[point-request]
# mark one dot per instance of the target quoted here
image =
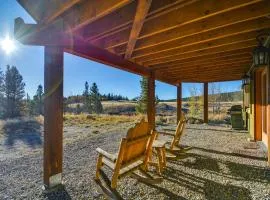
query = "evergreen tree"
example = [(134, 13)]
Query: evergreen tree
[(87, 99), (95, 99), (39, 100), (30, 106), (14, 92), (143, 99), (1, 94)]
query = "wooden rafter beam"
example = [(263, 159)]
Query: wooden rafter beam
[(141, 13), (84, 13), (209, 64), (203, 58), (208, 36), (123, 19), (209, 68), (213, 59), (215, 50), (249, 36), (190, 20)]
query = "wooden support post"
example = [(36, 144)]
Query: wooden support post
[(53, 116), (151, 109), (179, 101), (268, 115), (205, 113)]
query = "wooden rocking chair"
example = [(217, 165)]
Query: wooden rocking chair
[(133, 154), (173, 146)]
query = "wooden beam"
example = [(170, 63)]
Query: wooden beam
[(208, 71), (59, 11), (179, 101), (209, 63), (53, 116), (268, 115), (141, 13), (188, 23), (215, 50), (29, 34), (205, 104), (200, 46), (151, 110), (123, 19), (84, 13), (197, 38), (203, 58)]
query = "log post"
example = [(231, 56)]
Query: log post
[(151, 109), (53, 116), (268, 115), (205, 93), (179, 101)]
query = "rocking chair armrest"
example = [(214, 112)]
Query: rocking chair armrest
[(166, 133), (106, 154)]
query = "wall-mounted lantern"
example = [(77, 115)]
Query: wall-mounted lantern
[(261, 53), (245, 82)]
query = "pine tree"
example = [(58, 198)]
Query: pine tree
[(14, 92), (39, 100), (143, 99), (1, 94), (87, 99), (30, 106), (95, 99)]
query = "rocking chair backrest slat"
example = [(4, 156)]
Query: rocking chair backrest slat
[(179, 130), (137, 139)]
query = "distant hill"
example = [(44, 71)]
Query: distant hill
[(224, 97)]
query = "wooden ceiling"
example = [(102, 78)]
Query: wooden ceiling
[(181, 40)]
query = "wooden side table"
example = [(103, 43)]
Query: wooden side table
[(159, 147)]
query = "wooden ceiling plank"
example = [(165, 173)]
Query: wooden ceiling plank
[(215, 50), (182, 30), (141, 13)]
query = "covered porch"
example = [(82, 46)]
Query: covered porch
[(170, 41)]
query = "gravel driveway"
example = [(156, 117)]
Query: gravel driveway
[(221, 165)]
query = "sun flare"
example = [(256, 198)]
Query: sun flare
[(8, 45)]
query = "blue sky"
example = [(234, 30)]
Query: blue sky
[(29, 61)]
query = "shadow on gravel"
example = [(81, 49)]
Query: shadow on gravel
[(230, 154), (210, 189), (29, 132), (59, 193)]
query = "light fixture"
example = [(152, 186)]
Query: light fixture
[(261, 53), (245, 80)]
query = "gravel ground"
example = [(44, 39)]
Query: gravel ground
[(219, 166)]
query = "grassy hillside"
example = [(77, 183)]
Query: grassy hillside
[(225, 97)]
